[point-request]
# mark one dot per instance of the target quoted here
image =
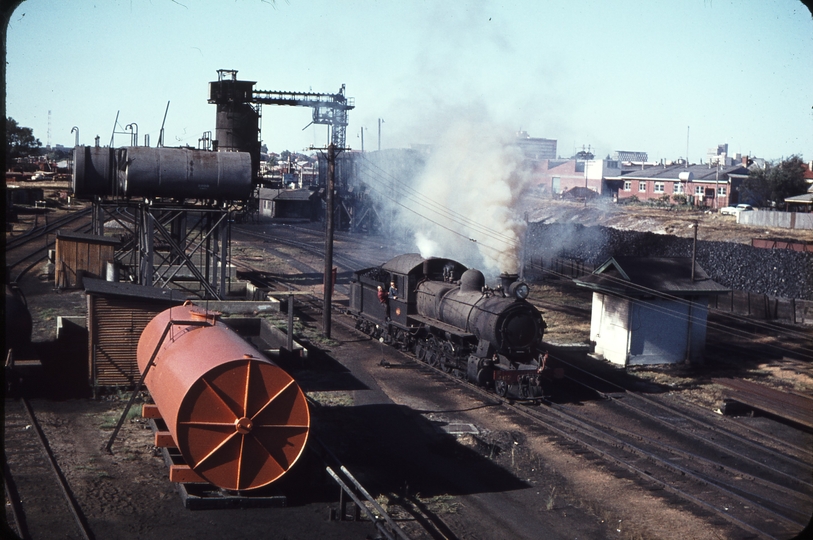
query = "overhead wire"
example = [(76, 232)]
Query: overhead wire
[(738, 318), (428, 203), (720, 327), (378, 176)]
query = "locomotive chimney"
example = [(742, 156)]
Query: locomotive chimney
[(507, 279), (425, 268)]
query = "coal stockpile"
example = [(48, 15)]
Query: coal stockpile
[(775, 272)]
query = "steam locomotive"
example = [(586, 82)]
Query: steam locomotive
[(446, 315)]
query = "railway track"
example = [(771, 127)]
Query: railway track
[(41, 500), (757, 475), (764, 494), (315, 247), (24, 248), (763, 491)]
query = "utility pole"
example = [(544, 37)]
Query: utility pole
[(687, 146), (380, 121), (331, 182), (694, 247)]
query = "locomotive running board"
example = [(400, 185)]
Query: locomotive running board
[(441, 326)]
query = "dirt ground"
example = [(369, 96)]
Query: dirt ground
[(127, 494)]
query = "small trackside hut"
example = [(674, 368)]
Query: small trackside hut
[(446, 315), (649, 310)]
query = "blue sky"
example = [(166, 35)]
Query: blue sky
[(616, 74)]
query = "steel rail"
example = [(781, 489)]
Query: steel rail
[(697, 458), (13, 498), (386, 517), (697, 422), (618, 443), (373, 518), (39, 232), (562, 432), (347, 262), (568, 420), (613, 441), (746, 427), (78, 516), (36, 253)]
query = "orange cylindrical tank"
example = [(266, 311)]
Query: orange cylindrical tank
[(239, 420)]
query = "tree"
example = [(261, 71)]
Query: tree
[(773, 184), (680, 198), (20, 141)]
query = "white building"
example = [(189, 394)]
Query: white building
[(649, 310)]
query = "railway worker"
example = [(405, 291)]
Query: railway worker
[(385, 301), (393, 291)]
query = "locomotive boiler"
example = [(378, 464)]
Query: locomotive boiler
[(239, 421), (449, 318)]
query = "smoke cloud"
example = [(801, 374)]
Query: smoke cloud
[(468, 196)]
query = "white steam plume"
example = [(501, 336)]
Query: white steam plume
[(475, 178)]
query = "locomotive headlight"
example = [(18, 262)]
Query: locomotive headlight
[(519, 290)]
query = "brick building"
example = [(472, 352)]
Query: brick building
[(553, 177), (707, 185)]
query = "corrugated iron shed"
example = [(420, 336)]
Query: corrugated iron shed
[(297, 203), (117, 314)]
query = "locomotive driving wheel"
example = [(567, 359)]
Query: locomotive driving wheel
[(501, 388), (420, 350), (433, 354), (447, 358)]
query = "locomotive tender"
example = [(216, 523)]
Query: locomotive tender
[(449, 318)]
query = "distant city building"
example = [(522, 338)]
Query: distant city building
[(631, 157), (719, 155), (536, 149)]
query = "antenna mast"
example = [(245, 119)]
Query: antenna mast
[(687, 146)]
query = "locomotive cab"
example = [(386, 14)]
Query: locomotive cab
[(406, 271)]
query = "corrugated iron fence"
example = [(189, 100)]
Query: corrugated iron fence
[(755, 305)]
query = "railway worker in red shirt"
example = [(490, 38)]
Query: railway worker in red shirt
[(385, 301)]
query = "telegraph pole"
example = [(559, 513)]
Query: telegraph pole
[(694, 246), (331, 182)]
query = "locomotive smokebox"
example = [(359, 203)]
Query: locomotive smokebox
[(239, 421), (507, 279)]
